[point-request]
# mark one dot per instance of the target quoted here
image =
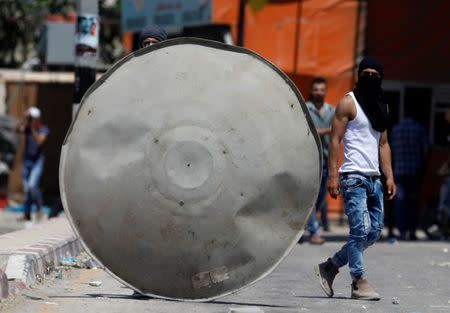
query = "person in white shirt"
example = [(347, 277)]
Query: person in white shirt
[(360, 122)]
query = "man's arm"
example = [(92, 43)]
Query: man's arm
[(324, 131), (386, 165), (39, 136), (345, 112)]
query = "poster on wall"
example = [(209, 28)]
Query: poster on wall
[(86, 38), (137, 14)]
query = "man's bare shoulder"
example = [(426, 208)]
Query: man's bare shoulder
[(346, 107)]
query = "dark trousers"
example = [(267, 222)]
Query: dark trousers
[(313, 224), (321, 203), (408, 188)]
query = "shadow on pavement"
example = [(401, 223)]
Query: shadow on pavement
[(252, 304), (328, 238), (109, 296), (143, 297), (324, 297)]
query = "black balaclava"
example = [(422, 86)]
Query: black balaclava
[(152, 31), (369, 94)]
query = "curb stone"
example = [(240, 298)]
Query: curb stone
[(39, 250)]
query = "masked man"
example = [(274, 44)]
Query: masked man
[(360, 122), (151, 35)]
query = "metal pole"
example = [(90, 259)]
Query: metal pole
[(86, 49), (298, 16), (241, 23)]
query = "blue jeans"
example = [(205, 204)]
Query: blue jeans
[(313, 224), (363, 204), (31, 175)]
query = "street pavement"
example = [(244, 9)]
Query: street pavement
[(9, 223), (414, 275)]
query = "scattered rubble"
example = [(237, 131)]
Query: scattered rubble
[(441, 264), (69, 261), (58, 275), (95, 283), (82, 261)]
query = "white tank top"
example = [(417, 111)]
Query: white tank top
[(361, 145)]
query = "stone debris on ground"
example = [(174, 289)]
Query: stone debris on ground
[(395, 300), (95, 283), (441, 264), (69, 261), (58, 275), (39, 278), (82, 261)]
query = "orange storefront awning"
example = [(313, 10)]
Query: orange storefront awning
[(305, 38)]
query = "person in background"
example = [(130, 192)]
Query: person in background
[(151, 35), (322, 114), (33, 161), (409, 143), (360, 122), (444, 195)]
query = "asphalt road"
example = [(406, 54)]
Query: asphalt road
[(418, 274)]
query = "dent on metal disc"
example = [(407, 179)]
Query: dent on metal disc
[(190, 169)]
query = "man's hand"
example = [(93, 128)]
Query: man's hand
[(333, 186), (391, 189), (386, 166), (324, 131), (34, 124)]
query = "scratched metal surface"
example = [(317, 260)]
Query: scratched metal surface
[(190, 169)]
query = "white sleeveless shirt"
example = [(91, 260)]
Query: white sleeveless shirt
[(361, 145)]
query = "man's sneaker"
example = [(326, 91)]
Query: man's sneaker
[(316, 240), (326, 272), (39, 215), (23, 219), (363, 291)]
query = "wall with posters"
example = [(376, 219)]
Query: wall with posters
[(137, 14)]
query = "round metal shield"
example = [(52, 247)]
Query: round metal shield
[(190, 169)]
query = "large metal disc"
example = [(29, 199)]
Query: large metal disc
[(190, 169)]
